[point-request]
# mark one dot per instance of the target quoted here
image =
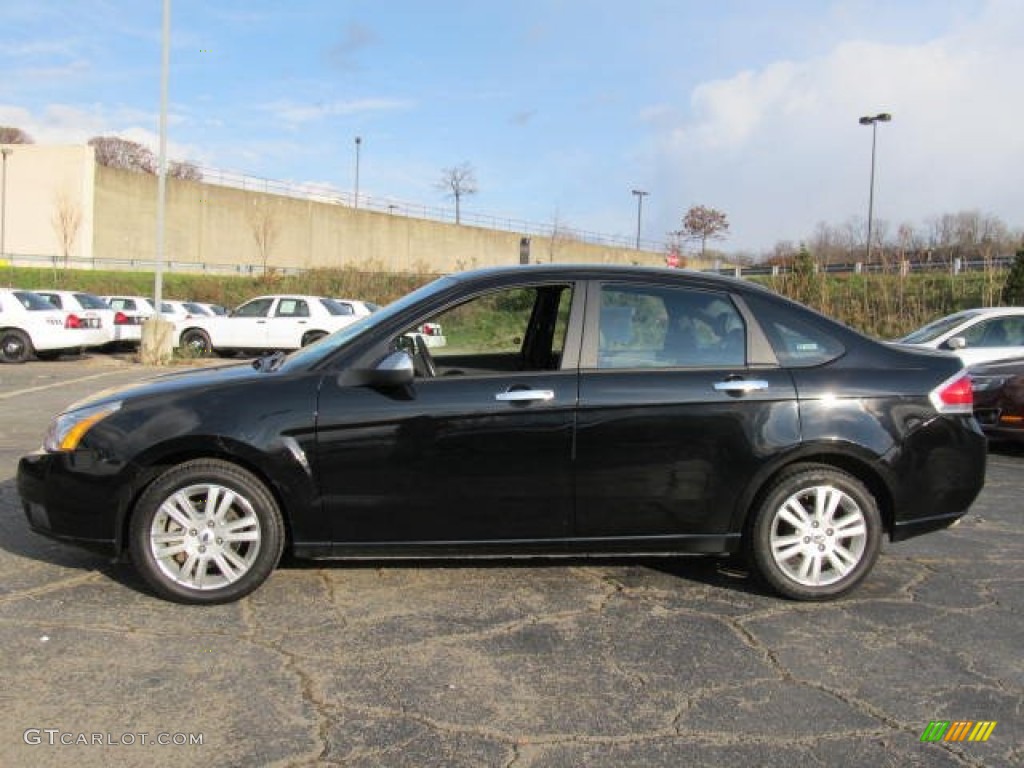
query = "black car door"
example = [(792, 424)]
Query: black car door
[(681, 402), (478, 449)]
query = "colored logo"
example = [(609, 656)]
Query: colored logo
[(958, 730)]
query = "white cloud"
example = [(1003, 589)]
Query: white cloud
[(73, 124), (779, 148), (297, 114)]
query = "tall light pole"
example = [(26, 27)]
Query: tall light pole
[(359, 141), (640, 195), (3, 203), (881, 117)]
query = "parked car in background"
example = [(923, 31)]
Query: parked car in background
[(575, 411), (358, 306), (179, 312), (213, 309), (130, 312), (975, 335), (281, 322), (86, 313), (999, 398), (31, 325)]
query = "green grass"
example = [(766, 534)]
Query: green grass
[(228, 291)]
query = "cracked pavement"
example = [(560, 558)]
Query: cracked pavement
[(587, 663)]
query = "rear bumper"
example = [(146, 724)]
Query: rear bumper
[(941, 472)]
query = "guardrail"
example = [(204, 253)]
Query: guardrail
[(957, 266)]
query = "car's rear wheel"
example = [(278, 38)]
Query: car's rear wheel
[(816, 533), (197, 342), (15, 346), (206, 531)]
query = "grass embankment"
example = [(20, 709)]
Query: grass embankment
[(228, 291), (882, 305)]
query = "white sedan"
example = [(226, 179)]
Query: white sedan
[(431, 333), (130, 312), (29, 324), (90, 315), (281, 322), (975, 335)]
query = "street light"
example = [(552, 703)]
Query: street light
[(3, 203), (640, 195), (882, 117), (359, 141)]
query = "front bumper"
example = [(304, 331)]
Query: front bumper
[(74, 498)]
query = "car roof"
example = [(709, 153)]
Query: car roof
[(608, 272)]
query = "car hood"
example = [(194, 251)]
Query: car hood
[(178, 381)]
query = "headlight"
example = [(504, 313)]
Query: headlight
[(68, 429)]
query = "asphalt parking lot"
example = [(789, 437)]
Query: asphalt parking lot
[(646, 663)]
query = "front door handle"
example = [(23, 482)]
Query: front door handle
[(525, 395), (740, 386)]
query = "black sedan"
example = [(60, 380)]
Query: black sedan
[(573, 411), (999, 398)]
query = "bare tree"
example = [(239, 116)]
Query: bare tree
[(11, 135), (456, 183), (67, 219), (115, 152), (264, 227), (702, 224), (184, 170)]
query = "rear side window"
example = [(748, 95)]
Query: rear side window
[(32, 301), (659, 327), (798, 341)]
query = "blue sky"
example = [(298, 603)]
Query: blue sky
[(561, 106)]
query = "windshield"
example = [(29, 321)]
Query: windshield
[(314, 353), (936, 329)]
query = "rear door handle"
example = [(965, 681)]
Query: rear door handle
[(525, 395), (741, 386)]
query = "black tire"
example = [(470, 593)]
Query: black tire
[(197, 341), (816, 533), (191, 555), (15, 346), (312, 336)]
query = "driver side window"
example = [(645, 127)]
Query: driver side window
[(516, 329)]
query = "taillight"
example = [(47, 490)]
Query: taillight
[(954, 395), (72, 321), (121, 319)]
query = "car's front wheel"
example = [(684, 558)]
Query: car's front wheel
[(816, 533), (15, 346), (206, 531), (197, 342)]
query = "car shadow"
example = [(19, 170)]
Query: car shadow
[(1006, 447), (726, 573)]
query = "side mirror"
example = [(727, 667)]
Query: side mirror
[(955, 342), (395, 370)]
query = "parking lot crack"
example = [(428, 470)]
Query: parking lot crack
[(311, 695), (53, 586)]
